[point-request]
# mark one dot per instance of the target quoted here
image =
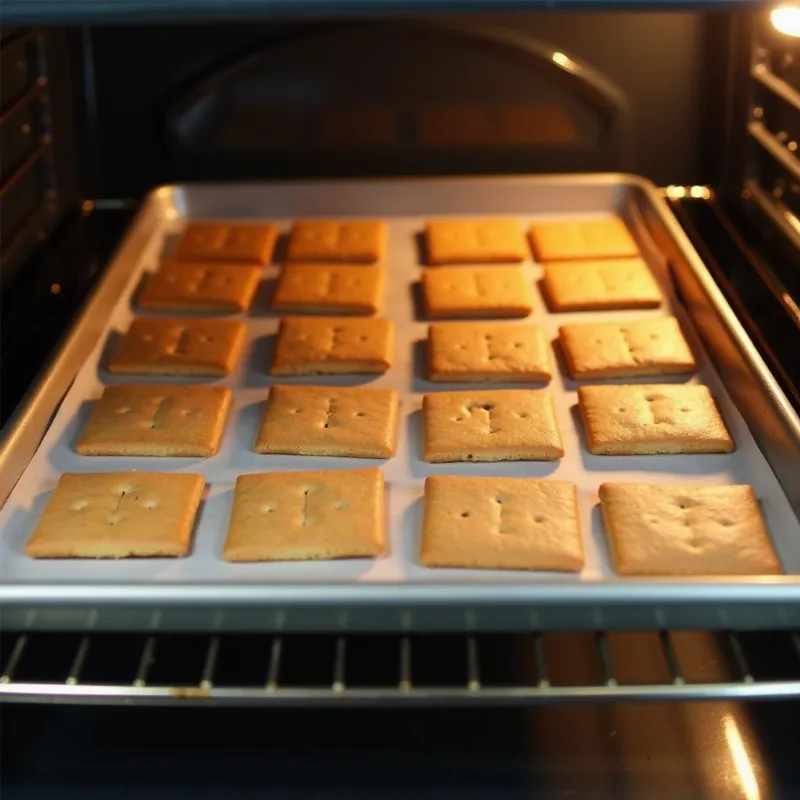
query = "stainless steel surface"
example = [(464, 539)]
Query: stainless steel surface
[(350, 607), (468, 670)]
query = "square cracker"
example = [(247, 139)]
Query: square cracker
[(357, 241), (333, 346), (504, 425), (652, 418), (626, 349), (154, 346), (579, 239), (300, 516), (329, 289), (686, 530), (473, 241), (474, 292), (117, 515), (157, 421), (180, 285), (501, 523), (486, 351), (329, 421), (610, 284), (251, 243)]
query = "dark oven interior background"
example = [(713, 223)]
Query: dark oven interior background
[(511, 93)]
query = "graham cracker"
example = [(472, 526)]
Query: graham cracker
[(329, 421), (155, 346), (581, 239), (686, 530), (329, 289), (595, 285), (300, 516), (245, 243), (627, 349), (179, 286), (491, 425), (157, 421), (486, 351), (501, 523), (652, 418), (469, 292), (356, 241), (333, 345), (474, 241), (118, 515)]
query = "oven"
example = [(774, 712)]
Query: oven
[(122, 120)]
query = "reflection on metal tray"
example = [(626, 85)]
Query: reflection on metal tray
[(394, 593)]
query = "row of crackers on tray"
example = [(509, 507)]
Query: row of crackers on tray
[(469, 522), (464, 352), (457, 292), (446, 241), (361, 422), (588, 264)]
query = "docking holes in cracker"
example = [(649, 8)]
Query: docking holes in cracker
[(329, 421), (501, 523), (291, 516), (333, 345), (118, 515), (502, 425), (651, 419)]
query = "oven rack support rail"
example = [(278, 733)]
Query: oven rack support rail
[(308, 669)]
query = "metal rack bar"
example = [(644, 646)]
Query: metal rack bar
[(207, 681), (404, 685), (339, 665), (145, 662), (479, 688), (473, 665), (672, 660), (16, 656), (273, 673), (739, 657), (539, 661), (78, 661)]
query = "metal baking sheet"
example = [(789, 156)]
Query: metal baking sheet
[(394, 592)]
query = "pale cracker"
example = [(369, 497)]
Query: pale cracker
[(245, 243), (117, 515), (470, 292), (356, 241), (155, 346), (157, 421), (686, 530), (329, 289), (501, 523), (183, 285), (652, 418), (291, 516), (581, 239), (333, 345), (486, 351), (627, 349), (487, 425), (609, 284), (329, 421), (474, 241)]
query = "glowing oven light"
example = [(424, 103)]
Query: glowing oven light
[(786, 19)]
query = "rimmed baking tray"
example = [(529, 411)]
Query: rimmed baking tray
[(395, 593)]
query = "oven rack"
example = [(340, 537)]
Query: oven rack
[(309, 669)]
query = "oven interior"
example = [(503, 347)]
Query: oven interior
[(705, 104)]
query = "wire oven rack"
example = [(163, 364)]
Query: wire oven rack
[(307, 669)]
